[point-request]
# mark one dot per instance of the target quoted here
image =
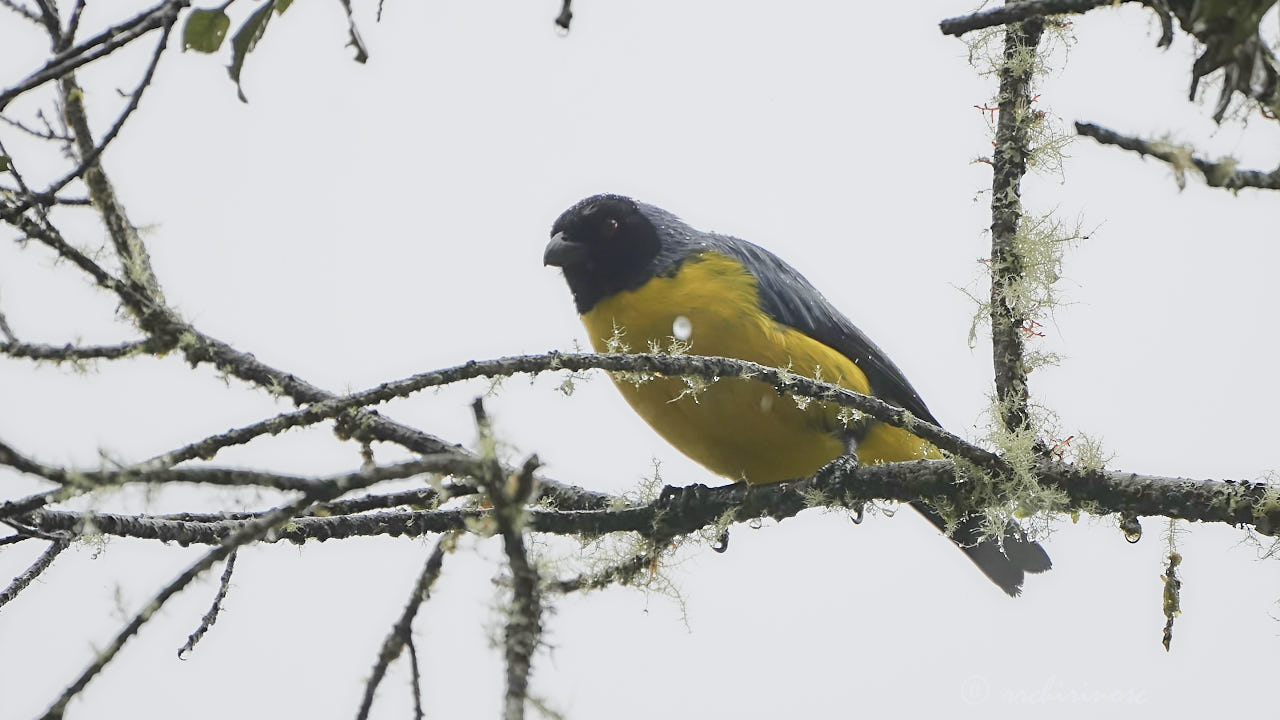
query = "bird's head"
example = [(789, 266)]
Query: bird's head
[(604, 244)]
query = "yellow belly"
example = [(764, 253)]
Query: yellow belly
[(741, 429)]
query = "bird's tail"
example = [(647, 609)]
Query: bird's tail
[(1006, 567)]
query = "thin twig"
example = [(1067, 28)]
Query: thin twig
[(22, 10), (59, 353), (402, 632), (73, 25), (215, 609), (415, 676), (41, 564), (619, 573), (89, 151), (353, 33), (42, 134), (7, 331), (249, 532), (1223, 173), (100, 45), (75, 482)]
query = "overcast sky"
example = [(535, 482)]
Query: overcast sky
[(355, 224)]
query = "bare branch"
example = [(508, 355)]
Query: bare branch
[(49, 19), (42, 134), (402, 632), (73, 25), (6, 331), (74, 102), (415, 675), (60, 353), (22, 10), (566, 15), (211, 616), (99, 45), (1223, 173), (39, 566), (1017, 12), (353, 33)]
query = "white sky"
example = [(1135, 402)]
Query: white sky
[(355, 224)]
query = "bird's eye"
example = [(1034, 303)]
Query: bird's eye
[(610, 228)]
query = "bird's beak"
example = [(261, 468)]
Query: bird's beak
[(561, 252)]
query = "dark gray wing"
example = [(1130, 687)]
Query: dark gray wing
[(793, 301)]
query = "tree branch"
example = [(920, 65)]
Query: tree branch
[(524, 616), (402, 632), (712, 368), (39, 566), (100, 45), (87, 169), (211, 617), (1223, 173), (22, 10), (69, 352), (1017, 12), (246, 533), (1009, 163), (682, 510), (76, 482)]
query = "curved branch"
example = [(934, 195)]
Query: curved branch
[(711, 368), (1221, 174)]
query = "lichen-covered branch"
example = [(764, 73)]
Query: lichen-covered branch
[(711, 368), (69, 352), (509, 495), (1009, 163), (74, 482), (678, 511), (1223, 173)]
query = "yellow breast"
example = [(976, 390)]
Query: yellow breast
[(741, 429)]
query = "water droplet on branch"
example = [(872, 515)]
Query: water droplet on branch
[(682, 328)]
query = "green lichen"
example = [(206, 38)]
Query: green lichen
[(1087, 453)]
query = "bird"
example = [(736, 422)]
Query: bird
[(642, 278)]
